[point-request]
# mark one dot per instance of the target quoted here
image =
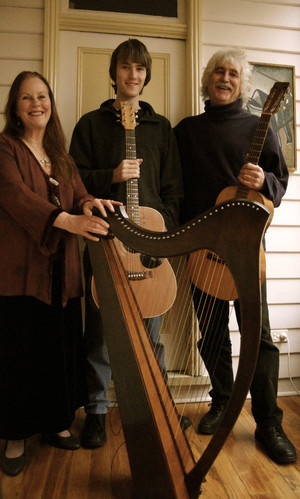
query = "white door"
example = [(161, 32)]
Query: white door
[(83, 83), (83, 80)]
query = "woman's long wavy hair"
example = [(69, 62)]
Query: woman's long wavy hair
[(54, 141), (237, 58)]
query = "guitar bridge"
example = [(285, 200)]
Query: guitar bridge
[(138, 276)]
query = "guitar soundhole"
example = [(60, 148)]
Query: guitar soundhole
[(150, 262)]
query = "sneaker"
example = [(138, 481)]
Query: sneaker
[(93, 433), (210, 422), (276, 443)]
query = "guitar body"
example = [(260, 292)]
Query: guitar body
[(209, 273), (148, 276), (159, 281), (207, 270), (240, 192)]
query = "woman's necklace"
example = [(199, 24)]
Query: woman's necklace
[(44, 161)]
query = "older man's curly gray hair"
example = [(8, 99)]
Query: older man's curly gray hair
[(237, 58)]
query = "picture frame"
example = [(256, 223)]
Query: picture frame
[(283, 122)]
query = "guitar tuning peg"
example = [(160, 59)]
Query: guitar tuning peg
[(283, 108)]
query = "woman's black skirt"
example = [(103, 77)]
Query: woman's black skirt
[(42, 375)]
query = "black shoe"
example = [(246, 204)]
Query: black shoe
[(210, 422), (185, 422), (93, 433), (278, 446), (67, 443), (12, 466)]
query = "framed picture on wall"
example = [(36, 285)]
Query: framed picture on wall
[(283, 122)]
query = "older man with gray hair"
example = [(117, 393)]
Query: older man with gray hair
[(213, 148)]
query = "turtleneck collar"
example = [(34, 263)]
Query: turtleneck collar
[(223, 111)]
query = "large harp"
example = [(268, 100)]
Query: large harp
[(160, 457)]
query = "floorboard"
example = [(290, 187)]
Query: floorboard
[(241, 470)]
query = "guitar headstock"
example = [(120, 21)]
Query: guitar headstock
[(128, 116), (275, 97)]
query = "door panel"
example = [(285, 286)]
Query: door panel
[(83, 82)]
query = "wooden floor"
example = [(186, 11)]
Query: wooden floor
[(240, 471)]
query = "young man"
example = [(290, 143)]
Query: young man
[(98, 147), (213, 148)]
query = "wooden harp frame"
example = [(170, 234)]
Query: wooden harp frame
[(161, 461)]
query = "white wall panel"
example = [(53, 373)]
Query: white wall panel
[(283, 239), (23, 3), (283, 291), (3, 97), (293, 189), (284, 316), (283, 265), (21, 42), (250, 36), (21, 46), (25, 20), (10, 69), (288, 211), (288, 364), (281, 317), (236, 11)]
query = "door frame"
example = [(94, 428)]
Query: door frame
[(188, 27)]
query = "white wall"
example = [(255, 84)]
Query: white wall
[(269, 32), (21, 41)]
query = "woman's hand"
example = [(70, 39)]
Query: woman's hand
[(86, 225), (252, 176), (100, 204)]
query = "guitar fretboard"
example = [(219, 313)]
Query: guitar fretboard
[(132, 188), (259, 138)]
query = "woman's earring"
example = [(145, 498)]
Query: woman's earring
[(18, 121)]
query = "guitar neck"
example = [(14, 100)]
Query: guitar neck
[(259, 138), (132, 188)]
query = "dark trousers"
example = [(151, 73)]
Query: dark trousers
[(215, 350)]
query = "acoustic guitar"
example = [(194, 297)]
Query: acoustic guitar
[(148, 276), (207, 270)]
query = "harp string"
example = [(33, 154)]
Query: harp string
[(166, 404), (184, 380), (216, 227), (186, 318)]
